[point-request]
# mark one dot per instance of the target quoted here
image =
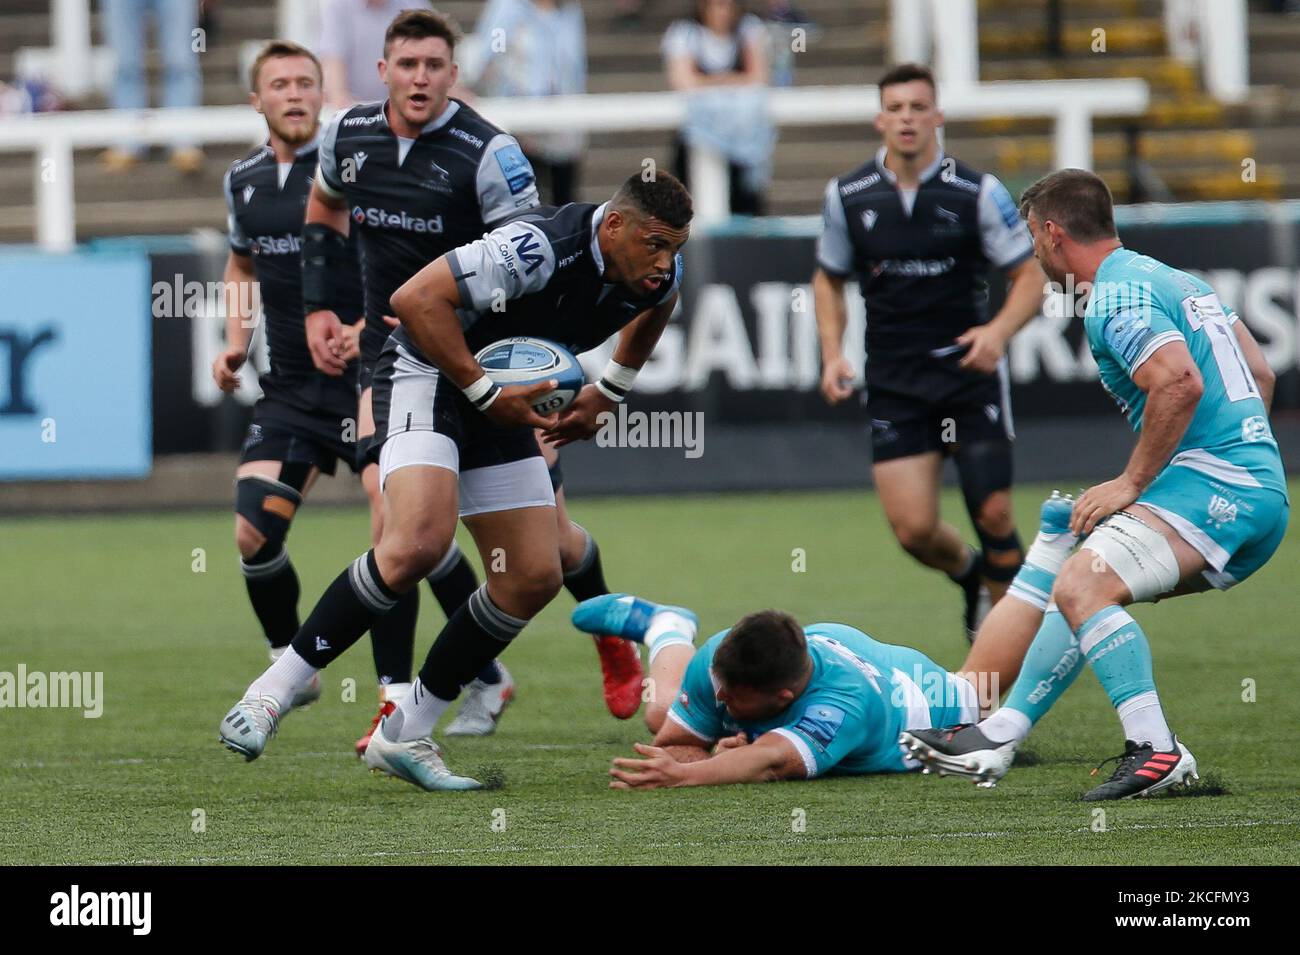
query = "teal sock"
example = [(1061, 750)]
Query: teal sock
[(1050, 666), (1120, 655)]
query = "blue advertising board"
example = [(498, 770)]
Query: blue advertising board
[(74, 365)]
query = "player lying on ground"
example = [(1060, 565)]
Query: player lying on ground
[(769, 700), (1202, 502), (451, 442)]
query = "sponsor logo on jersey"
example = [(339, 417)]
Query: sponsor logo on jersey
[(287, 244), (820, 723), (961, 183), (1221, 510), (250, 161), (686, 699), (401, 219), (363, 120), (467, 137), (915, 268), (248, 193), (857, 185), (529, 251), (992, 411), (518, 173), (869, 219), (570, 259)]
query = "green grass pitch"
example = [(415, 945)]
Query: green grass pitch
[(121, 595)]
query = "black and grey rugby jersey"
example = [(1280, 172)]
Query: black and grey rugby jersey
[(412, 200)]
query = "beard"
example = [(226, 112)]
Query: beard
[(294, 135)]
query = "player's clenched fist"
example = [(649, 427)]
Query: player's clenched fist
[(837, 380), (225, 367), (326, 342)]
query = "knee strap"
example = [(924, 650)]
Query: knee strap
[(1001, 557), (269, 505), (982, 468)]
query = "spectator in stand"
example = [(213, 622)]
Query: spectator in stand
[(176, 25), (351, 46), (782, 18), (536, 48), (720, 59)]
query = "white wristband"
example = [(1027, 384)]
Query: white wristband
[(616, 381), (482, 393)]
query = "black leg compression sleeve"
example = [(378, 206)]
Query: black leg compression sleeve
[(392, 639), (475, 635), (345, 611), (587, 580), (983, 468), (1002, 556)]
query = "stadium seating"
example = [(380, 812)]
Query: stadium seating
[(1194, 144)]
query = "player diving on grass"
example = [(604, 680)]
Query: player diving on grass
[(1202, 502), (450, 442), (769, 700)]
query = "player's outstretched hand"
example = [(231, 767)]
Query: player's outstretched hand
[(514, 406), (224, 368), (325, 342), (1100, 502), (580, 420), (837, 380), (985, 347), (657, 771)]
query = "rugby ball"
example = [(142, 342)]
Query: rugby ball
[(526, 361)]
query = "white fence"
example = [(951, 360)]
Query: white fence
[(1072, 104)]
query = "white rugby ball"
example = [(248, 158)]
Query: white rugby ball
[(526, 361)]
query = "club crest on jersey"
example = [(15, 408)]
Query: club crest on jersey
[(248, 193), (440, 180), (946, 214), (869, 219)]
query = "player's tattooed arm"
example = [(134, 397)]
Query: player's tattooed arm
[(770, 758), (426, 306), (331, 346), (239, 321)]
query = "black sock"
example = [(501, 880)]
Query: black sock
[(392, 639), (346, 610), (452, 582), (475, 635), (273, 591), (587, 580), (970, 577)]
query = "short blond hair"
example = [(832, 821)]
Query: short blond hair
[(275, 50)]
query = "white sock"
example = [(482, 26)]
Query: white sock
[(415, 716), (284, 678), (1144, 721), (393, 692), (1006, 725), (669, 628)]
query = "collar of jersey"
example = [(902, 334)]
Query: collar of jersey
[(927, 173), (433, 125), (597, 259), (1108, 262)]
